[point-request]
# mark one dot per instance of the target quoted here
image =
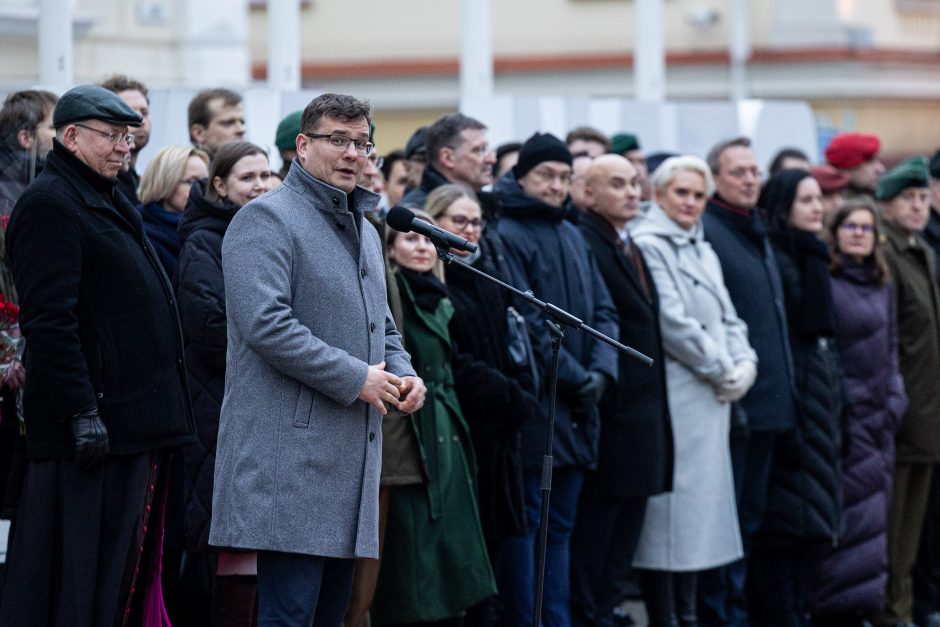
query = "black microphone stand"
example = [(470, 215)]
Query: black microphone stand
[(557, 318)]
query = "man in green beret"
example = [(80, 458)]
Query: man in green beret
[(285, 139), (105, 396), (905, 198), (628, 145)]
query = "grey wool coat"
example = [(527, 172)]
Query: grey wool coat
[(695, 526), (298, 460)]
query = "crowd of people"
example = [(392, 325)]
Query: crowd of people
[(234, 396)]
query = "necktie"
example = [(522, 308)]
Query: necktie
[(632, 253)]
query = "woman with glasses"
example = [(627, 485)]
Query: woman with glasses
[(849, 581), (164, 192), (484, 360), (804, 499), (238, 174), (709, 366), (434, 562)]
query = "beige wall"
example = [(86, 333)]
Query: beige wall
[(429, 29), (905, 127)]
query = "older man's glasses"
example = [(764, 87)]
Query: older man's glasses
[(112, 137), (341, 142)]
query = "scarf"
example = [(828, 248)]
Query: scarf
[(815, 316), (427, 288)]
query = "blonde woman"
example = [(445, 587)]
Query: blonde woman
[(164, 192), (709, 365)]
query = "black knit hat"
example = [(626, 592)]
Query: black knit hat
[(539, 148)]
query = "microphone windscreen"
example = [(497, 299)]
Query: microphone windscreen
[(400, 219)]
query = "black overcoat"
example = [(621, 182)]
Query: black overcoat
[(753, 281), (98, 314), (636, 450), (201, 294)]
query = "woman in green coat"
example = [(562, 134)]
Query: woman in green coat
[(435, 564)]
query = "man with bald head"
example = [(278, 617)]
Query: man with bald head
[(635, 456)]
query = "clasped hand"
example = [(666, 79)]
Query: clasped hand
[(734, 386), (404, 393)]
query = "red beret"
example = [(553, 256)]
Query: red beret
[(848, 150), (831, 180)]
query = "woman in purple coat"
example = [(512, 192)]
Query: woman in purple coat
[(849, 580)]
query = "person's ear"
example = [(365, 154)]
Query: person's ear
[(445, 156), (219, 186), (197, 133), (70, 137), (26, 139)]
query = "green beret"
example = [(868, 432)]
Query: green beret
[(287, 131), (910, 173), (92, 102), (623, 142)]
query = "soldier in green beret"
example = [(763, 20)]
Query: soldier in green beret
[(905, 199)]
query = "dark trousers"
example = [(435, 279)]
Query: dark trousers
[(669, 597), (517, 563), (927, 570), (302, 590), (777, 585), (722, 599), (602, 547)]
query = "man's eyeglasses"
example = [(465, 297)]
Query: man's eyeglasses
[(341, 143), (740, 173), (112, 137), (855, 228), (545, 175), (377, 160), (462, 222)]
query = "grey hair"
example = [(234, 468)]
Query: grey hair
[(715, 153), (666, 173)]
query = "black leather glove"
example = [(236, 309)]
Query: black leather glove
[(91, 439), (592, 390)]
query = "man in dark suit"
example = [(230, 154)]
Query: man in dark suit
[(736, 232), (635, 457)]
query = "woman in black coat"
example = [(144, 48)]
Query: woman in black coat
[(495, 393), (238, 173), (804, 503)]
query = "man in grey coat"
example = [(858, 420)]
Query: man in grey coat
[(313, 359)]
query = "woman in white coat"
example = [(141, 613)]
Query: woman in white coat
[(709, 365)]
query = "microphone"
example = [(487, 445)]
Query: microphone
[(403, 220)]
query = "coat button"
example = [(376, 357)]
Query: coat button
[(362, 273), (372, 327), (335, 201), (372, 437)]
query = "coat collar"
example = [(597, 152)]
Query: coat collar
[(327, 198), (96, 192), (901, 240), (596, 223), (437, 321)]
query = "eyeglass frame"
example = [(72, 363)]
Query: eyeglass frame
[(110, 136), (369, 146), (546, 176), (476, 223), (854, 227)]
